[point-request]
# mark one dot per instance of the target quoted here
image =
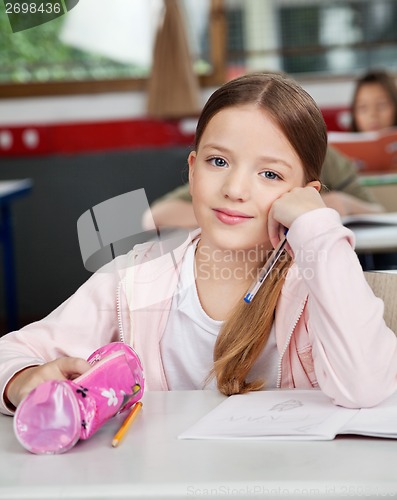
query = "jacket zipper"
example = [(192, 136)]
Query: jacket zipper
[(278, 385), (119, 318)]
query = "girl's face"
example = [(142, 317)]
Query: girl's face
[(242, 165), (374, 109)]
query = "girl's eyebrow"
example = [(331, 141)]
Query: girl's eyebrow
[(278, 161), (217, 147), (267, 159)]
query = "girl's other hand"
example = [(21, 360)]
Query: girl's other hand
[(290, 206), (26, 380)]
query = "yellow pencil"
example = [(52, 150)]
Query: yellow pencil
[(126, 424)]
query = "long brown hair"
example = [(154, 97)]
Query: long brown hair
[(245, 332), (388, 84)]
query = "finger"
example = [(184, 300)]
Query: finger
[(289, 250), (273, 228), (282, 232), (71, 368)]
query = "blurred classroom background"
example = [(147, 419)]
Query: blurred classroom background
[(103, 101)]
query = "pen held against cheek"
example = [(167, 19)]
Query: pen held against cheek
[(269, 264)]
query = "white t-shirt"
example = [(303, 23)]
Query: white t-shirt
[(188, 341)]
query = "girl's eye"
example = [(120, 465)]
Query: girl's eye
[(382, 106), (268, 174), (361, 109), (218, 162)]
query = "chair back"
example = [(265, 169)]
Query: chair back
[(384, 286)]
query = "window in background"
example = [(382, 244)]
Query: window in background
[(80, 45), (311, 36), (105, 45), (102, 45)]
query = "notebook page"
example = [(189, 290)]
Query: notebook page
[(379, 421), (282, 415)]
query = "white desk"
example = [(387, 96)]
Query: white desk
[(374, 238), (151, 463)]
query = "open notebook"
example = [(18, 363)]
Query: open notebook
[(372, 151), (292, 415)]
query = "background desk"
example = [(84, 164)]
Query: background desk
[(372, 239), (151, 463), (9, 191), (375, 239)]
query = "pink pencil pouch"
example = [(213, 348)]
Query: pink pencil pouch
[(57, 413)]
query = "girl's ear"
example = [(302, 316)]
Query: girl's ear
[(315, 184), (192, 162)]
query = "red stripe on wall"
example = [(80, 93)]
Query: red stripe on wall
[(80, 137), (94, 136)]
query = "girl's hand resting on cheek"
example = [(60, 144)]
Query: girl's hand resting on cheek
[(26, 380), (290, 206)]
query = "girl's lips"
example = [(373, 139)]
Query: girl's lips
[(231, 217)]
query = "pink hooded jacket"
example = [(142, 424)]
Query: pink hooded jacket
[(329, 326)]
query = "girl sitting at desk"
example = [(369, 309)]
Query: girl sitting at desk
[(374, 108), (314, 323)]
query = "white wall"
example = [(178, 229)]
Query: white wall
[(127, 105)]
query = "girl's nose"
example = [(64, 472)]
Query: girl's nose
[(373, 111), (235, 186)]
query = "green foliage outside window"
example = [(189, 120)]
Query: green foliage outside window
[(37, 55)]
